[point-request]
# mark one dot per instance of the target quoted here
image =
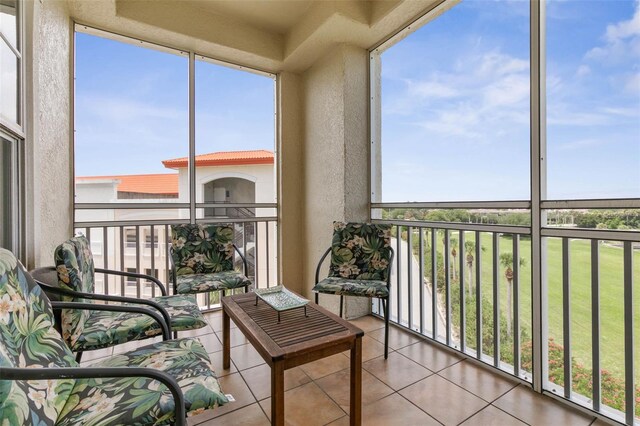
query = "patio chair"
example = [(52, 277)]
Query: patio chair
[(361, 259), (41, 382), (202, 259), (86, 330)]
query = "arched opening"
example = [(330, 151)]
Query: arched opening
[(229, 190)]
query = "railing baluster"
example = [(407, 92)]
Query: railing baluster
[(421, 271), (409, 276), (595, 324), (167, 271), (566, 315), (478, 295), (434, 283), (105, 258), (629, 378), (463, 311), (447, 287), (496, 301), (153, 259), (266, 244), (398, 272), (256, 232), (516, 304), (138, 249), (122, 293)]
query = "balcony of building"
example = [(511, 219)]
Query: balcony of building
[(506, 310)]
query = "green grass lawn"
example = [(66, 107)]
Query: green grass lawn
[(611, 296)]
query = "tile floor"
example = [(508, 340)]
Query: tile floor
[(419, 384)]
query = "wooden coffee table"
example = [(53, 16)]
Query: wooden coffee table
[(294, 341)]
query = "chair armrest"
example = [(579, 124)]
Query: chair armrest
[(393, 253), (8, 373), (166, 327), (320, 264), (154, 280), (106, 298), (244, 261)]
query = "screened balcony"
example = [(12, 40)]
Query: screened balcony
[(506, 160)]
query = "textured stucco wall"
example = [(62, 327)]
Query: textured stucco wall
[(49, 129), (335, 156), (291, 182)]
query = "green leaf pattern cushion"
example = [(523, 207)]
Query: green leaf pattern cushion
[(74, 263), (103, 329), (202, 248), (142, 401), (198, 283), (351, 287), (28, 339), (360, 251)]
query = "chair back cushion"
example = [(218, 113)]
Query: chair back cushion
[(202, 248), (361, 251), (28, 340), (74, 263)]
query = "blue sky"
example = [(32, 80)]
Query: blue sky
[(455, 105), (132, 108)]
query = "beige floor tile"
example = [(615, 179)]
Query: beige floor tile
[(397, 338), (391, 410), (195, 333), (236, 337), (216, 361), (306, 405), (90, 357), (491, 416), (326, 366), (251, 415), (477, 380), (259, 380), (337, 386), (430, 356), (210, 342), (397, 371), (245, 356), (232, 384), (215, 320), (367, 323), (537, 409), (442, 400), (371, 348)]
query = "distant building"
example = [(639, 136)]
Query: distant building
[(222, 177)]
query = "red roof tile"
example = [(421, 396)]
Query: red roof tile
[(228, 158), (164, 184)]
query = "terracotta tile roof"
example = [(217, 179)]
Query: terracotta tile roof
[(228, 158), (161, 183)]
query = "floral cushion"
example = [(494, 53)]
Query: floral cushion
[(28, 339), (103, 329), (202, 248), (361, 251), (351, 287), (74, 263), (198, 283), (142, 401)]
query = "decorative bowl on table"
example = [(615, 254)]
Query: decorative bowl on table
[(281, 299)]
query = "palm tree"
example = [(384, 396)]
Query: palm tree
[(506, 260), (470, 249), (453, 242)]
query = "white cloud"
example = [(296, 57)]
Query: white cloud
[(583, 70), (579, 144), (632, 85), (622, 41)]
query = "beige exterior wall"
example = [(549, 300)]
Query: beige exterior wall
[(48, 77), (336, 155)]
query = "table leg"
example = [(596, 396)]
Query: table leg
[(226, 340), (355, 400), (277, 393)]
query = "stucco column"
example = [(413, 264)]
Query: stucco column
[(336, 157), (290, 171)]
